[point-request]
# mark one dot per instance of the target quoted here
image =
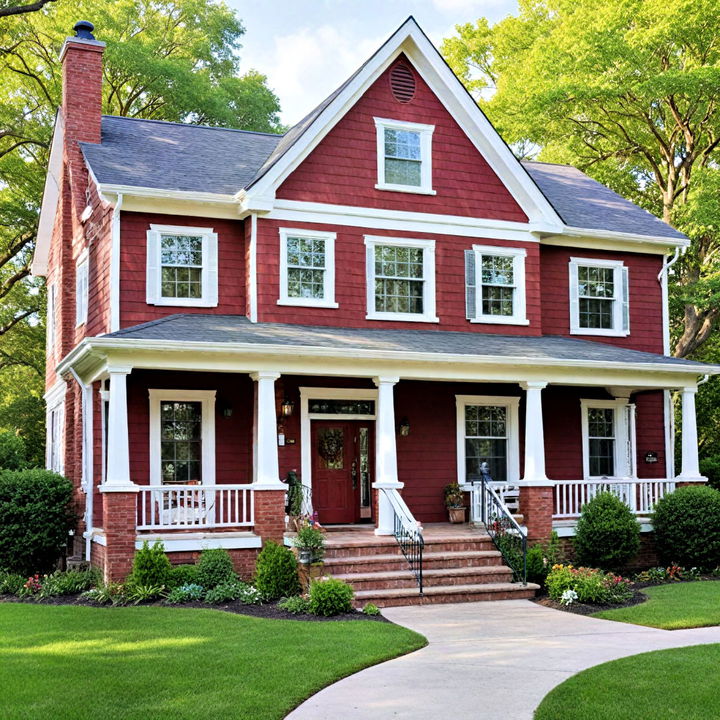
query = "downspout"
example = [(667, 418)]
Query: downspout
[(115, 266), (87, 460), (252, 261)]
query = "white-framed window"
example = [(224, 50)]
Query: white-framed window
[(495, 285), (599, 297), (307, 268), (608, 430), (488, 432), (81, 289), (50, 318), (400, 279), (182, 437), (404, 156), (182, 266), (55, 428)]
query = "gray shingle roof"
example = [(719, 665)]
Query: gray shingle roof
[(583, 202), (192, 328), (174, 156)]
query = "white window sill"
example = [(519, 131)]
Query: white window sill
[(307, 302), (499, 320), (402, 317), (405, 189), (599, 332), (183, 302)]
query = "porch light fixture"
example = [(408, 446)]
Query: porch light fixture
[(226, 409), (286, 408), (404, 427)]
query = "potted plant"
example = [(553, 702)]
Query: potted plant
[(455, 503), (310, 543)]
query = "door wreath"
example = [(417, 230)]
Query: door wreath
[(330, 446)]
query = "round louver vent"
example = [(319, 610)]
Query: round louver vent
[(402, 83)]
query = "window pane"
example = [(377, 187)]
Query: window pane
[(306, 268), (181, 445), (497, 270), (493, 452), (596, 313), (399, 280), (602, 457), (403, 172), (600, 422), (485, 421), (403, 144), (601, 443), (497, 300), (181, 271), (596, 282)]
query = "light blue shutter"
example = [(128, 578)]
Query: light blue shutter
[(210, 271), (470, 285), (152, 273), (574, 299), (625, 299)]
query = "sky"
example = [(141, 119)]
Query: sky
[(307, 48)]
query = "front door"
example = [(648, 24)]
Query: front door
[(341, 470)]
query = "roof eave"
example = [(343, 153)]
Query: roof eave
[(568, 231)]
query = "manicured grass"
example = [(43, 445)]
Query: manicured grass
[(683, 683), (77, 663), (672, 607)]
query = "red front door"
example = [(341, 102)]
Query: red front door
[(340, 472)]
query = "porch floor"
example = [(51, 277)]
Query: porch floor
[(348, 535)]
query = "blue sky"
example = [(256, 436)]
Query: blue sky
[(309, 47)]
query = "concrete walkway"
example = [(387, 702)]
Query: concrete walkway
[(485, 661)]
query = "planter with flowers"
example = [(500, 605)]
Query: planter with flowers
[(309, 544), (455, 503)]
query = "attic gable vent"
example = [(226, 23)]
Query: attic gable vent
[(402, 83)]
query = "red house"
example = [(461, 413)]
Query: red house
[(382, 299)]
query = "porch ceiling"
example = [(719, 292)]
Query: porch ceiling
[(231, 343)]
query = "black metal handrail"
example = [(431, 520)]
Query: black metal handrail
[(507, 535), (409, 536)]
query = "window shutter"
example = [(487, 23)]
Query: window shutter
[(470, 286), (152, 280), (210, 271), (574, 300), (625, 299), (50, 321)]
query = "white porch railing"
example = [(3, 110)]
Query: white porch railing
[(185, 507), (507, 493), (639, 495)]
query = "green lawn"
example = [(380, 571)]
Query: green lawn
[(683, 683), (672, 607), (149, 663)]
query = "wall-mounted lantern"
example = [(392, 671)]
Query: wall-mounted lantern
[(404, 427), (286, 408)]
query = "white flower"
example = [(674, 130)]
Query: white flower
[(568, 597)]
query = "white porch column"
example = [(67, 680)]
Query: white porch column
[(690, 469), (117, 475), (534, 435), (266, 467), (386, 474)]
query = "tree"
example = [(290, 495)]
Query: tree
[(172, 60), (8, 8), (628, 91)]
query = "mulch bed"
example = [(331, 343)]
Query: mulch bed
[(587, 609), (269, 610)]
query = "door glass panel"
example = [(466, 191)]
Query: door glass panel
[(363, 451), (486, 441), (331, 445), (180, 442)]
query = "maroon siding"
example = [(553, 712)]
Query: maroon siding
[(650, 433), (133, 249), (342, 169)]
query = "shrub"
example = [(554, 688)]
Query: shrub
[(192, 592), (276, 572), (215, 567), (710, 468), (69, 583), (536, 570), (36, 519), (182, 575), (297, 605), (566, 584), (13, 451), (687, 527), (607, 533), (11, 583), (151, 567), (330, 596), (371, 609), (234, 590)]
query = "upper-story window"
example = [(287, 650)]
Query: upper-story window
[(400, 279), (404, 156), (182, 266), (307, 268), (81, 290), (495, 285), (599, 297)]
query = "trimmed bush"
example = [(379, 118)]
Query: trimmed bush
[(330, 596), (13, 451), (607, 534), (36, 520), (277, 572), (215, 567), (687, 527), (183, 575), (710, 468), (536, 570), (151, 567)]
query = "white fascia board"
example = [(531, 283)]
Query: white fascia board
[(150, 192), (607, 239), (51, 195)]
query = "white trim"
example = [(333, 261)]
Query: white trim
[(51, 319), (151, 192), (328, 299), (321, 393), (568, 528), (55, 428), (115, 241), (428, 248), (195, 542), (512, 404), (209, 270), (519, 316), (207, 400), (621, 325), (578, 236), (252, 271), (425, 132), (624, 437), (82, 282)]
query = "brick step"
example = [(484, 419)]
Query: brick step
[(446, 594), (372, 546), (397, 561), (431, 578)]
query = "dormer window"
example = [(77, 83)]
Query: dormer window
[(404, 156)]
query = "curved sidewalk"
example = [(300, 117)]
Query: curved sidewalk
[(486, 661)]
